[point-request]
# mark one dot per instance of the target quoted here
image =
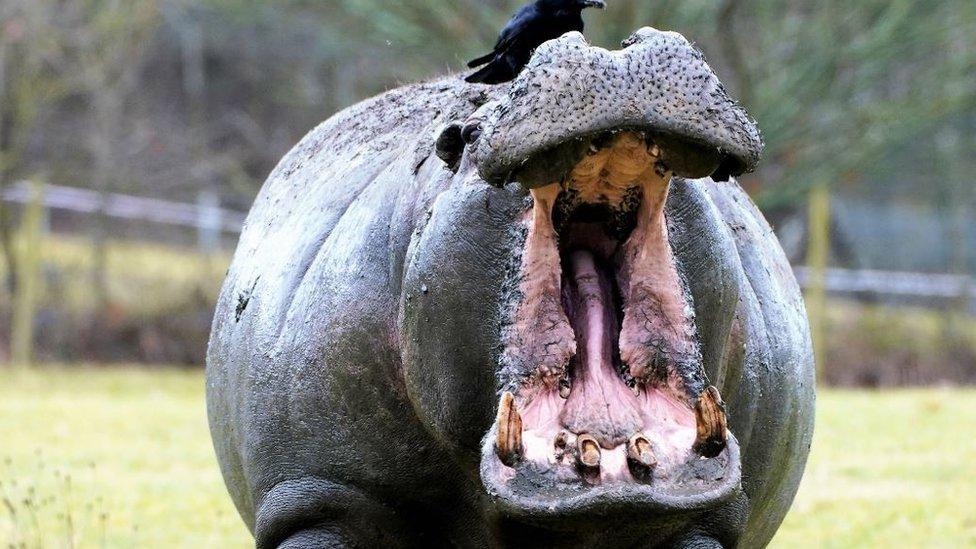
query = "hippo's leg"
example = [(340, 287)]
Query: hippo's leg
[(325, 537), (695, 541), (313, 513)]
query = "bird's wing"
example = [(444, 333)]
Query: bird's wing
[(509, 35), (523, 23)]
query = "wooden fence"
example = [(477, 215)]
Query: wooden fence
[(210, 222)]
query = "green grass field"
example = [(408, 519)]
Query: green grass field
[(122, 458), (110, 458)]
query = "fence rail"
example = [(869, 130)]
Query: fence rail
[(924, 285), (207, 217), (205, 213)]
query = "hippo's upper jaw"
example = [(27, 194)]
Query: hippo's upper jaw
[(605, 402), (572, 94)]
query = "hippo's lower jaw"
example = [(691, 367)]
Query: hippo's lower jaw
[(539, 494), (607, 401)]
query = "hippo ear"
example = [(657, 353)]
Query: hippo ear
[(471, 132), (450, 146)]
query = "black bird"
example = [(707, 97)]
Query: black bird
[(526, 30)]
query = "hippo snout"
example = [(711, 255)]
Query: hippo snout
[(572, 94), (606, 399)]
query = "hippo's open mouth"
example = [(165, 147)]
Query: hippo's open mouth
[(607, 401)]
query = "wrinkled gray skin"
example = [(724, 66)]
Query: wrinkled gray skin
[(351, 373)]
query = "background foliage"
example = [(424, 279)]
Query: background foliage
[(875, 96)]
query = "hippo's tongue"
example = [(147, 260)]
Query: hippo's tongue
[(600, 404)]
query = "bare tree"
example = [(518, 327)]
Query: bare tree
[(31, 82), (109, 42)]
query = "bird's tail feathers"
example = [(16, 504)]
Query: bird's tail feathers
[(481, 60), (486, 75)]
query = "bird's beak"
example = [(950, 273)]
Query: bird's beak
[(595, 4)]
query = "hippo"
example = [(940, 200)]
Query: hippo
[(536, 314)]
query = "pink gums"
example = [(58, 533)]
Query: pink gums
[(600, 403)]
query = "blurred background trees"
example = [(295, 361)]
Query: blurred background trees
[(213, 92), (172, 98)]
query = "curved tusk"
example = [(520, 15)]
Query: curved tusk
[(508, 444)]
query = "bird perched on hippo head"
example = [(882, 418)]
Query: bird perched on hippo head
[(525, 31)]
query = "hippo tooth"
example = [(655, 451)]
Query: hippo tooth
[(508, 445), (564, 387), (589, 451), (632, 383), (712, 424), (561, 440), (639, 452)]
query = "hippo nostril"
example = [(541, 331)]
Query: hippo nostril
[(471, 132)]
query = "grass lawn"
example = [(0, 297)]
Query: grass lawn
[(122, 458), (889, 469), (110, 458)]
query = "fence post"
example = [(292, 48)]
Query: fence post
[(22, 325), (208, 221), (818, 254)]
